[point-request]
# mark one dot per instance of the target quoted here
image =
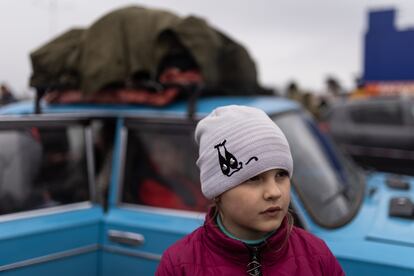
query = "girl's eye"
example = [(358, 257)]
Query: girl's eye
[(254, 178), (282, 173)]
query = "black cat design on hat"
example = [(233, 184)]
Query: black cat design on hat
[(228, 162)]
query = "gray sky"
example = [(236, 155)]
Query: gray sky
[(289, 39)]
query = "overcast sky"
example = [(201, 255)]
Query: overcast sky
[(289, 39)]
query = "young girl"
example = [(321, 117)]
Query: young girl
[(245, 167)]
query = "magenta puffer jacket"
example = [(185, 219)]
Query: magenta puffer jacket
[(208, 251)]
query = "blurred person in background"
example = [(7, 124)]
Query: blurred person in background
[(359, 91), (311, 103), (293, 92), (335, 91), (6, 96)]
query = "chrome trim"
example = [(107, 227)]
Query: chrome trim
[(17, 122), (124, 237), (90, 163), (154, 123), (46, 211), (132, 253), (50, 257), (163, 211)]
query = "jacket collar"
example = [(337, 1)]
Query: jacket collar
[(270, 251)]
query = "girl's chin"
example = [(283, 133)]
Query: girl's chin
[(269, 226)]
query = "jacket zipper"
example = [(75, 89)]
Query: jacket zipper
[(254, 266)]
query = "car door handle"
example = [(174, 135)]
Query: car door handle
[(127, 238)]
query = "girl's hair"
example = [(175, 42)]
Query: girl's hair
[(213, 206), (291, 222)]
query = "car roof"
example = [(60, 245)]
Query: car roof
[(270, 104)]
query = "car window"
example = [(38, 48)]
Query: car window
[(328, 185), (42, 167), (161, 170), (386, 113)]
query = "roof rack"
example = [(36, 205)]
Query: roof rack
[(192, 92)]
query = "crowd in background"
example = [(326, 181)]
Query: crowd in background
[(317, 103)]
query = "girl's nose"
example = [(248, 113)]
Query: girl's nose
[(271, 190)]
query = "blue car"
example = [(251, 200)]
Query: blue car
[(105, 189)]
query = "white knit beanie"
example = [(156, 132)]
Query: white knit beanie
[(237, 143)]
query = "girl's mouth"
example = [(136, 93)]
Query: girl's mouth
[(274, 210)]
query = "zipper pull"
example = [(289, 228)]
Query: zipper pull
[(253, 267)]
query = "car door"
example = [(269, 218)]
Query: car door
[(155, 196), (49, 221)]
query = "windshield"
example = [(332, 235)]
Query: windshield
[(330, 186)]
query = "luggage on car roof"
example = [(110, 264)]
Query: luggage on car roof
[(134, 45)]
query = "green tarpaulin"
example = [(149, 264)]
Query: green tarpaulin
[(132, 43)]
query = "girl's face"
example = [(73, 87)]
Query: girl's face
[(257, 206)]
